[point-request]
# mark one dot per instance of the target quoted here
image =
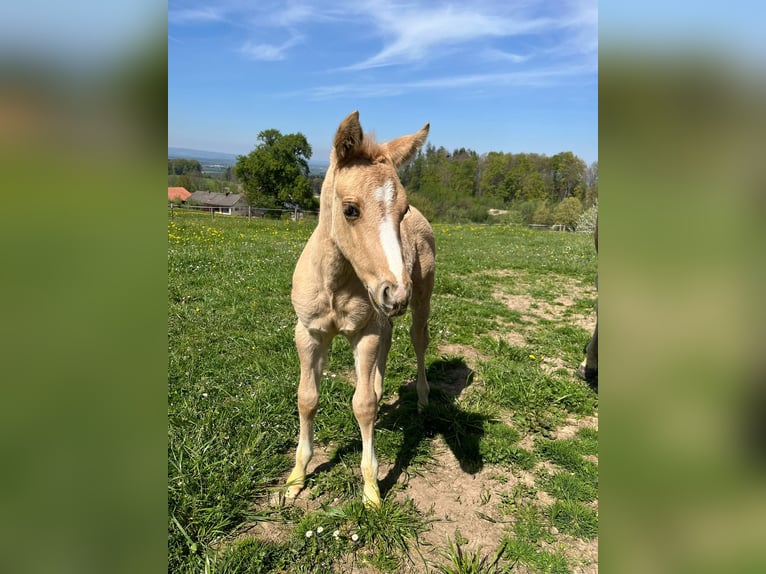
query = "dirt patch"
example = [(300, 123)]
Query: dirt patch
[(533, 309), (552, 364), (517, 298), (457, 501), (515, 336), (572, 425), (468, 353)]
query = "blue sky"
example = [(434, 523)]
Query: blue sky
[(511, 76)]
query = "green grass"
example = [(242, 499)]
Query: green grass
[(232, 415)]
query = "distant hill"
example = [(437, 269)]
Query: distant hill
[(202, 156), (207, 158)]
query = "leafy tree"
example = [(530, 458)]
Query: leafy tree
[(276, 170), (464, 168), (568, 173), (186, 182), (494, 166), (591, 185)]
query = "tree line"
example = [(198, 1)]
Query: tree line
[(529, 187), (457, 186)]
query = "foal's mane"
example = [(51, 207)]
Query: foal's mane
[(369, 149)]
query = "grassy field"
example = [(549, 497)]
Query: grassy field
[(499, 474)]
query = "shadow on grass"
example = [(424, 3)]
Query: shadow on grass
[(461, 430)]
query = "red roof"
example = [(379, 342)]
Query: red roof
[(175, 193)]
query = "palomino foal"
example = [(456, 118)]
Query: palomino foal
[(370, 256)]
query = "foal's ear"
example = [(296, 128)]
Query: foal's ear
[(348, 138), (403, 149)]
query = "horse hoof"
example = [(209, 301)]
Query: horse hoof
[(371, 497)]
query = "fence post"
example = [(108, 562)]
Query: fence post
[(248, 212), (171, 210)]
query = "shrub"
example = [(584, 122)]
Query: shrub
[(542, 215), (586, 223), (567, 212)]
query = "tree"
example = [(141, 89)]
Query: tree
[(180, 166), (568, 173), (591, 185), (277, 169)]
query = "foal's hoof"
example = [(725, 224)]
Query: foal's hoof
[(371, 497), (293, 491)]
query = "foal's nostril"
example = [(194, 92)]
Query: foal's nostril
[(393, 299), (388, 296)]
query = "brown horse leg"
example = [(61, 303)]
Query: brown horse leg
[(370, 352), (312, 352)]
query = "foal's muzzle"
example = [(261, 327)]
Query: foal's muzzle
[(393, 299)]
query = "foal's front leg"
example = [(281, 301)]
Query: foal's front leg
[(370, 352), (312, 351)]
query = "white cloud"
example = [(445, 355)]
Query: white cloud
[(494, 55), (543, 77), (416, 33), (195, 15), (269, 52)]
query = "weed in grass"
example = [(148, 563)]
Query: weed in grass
[(569, 486), (249, 555), (526, 553), (340, 481), (588, 438), (528, 525), (572, 517), (498, 446), (463, 562), (384, 533), (520, 495), (568, 454)]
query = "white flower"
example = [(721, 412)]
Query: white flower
[(354, 537), (309, 533), (320, 529), (336, 534)]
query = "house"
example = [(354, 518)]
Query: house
[(178, 194), (224, 203)]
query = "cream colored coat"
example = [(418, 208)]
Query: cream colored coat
[(370, 256)]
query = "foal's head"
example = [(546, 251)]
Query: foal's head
[(368, 205)]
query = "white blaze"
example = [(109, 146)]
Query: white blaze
[(388, 236)]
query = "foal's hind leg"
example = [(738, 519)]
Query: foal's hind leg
[(419, 337), (312, 351)]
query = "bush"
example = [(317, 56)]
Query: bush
[(542, 215), (567, 212), (527, 210)]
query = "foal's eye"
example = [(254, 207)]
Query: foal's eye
[(350, 210)]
